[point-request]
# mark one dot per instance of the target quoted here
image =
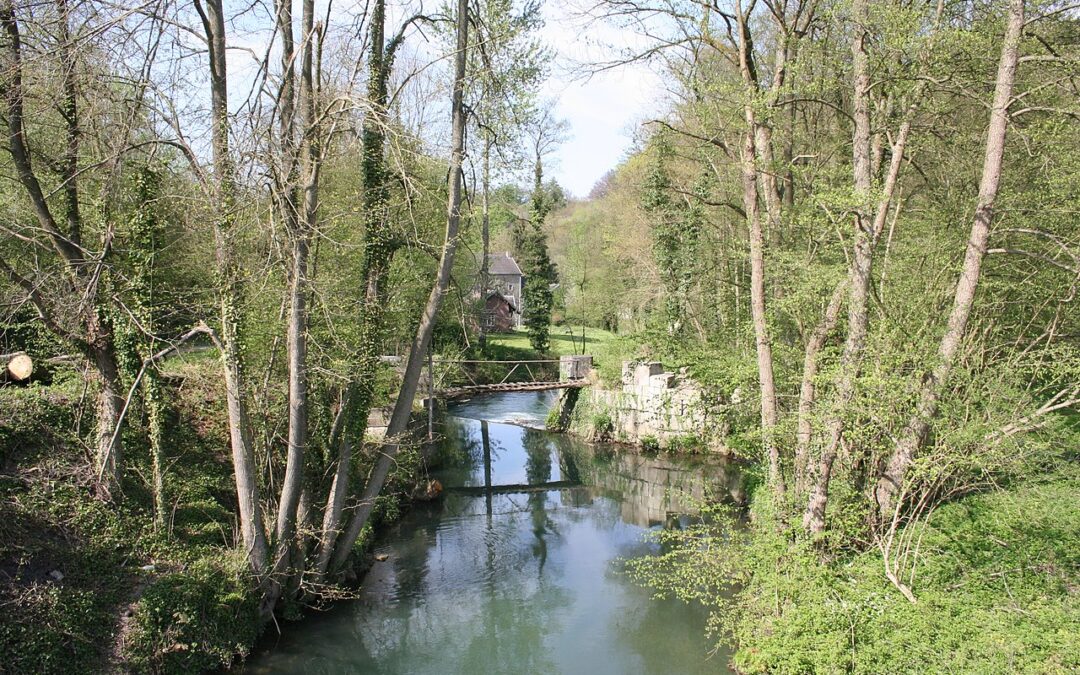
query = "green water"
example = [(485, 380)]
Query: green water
[(524, 579)]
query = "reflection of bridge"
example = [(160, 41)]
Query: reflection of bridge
[(511, 489), (572, 371)]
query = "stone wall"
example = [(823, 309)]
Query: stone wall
[(653, 407)]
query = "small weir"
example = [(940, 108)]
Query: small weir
[(516, 569)]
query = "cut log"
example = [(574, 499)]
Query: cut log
[(18, 367)]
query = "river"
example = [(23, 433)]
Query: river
[(518, 579)]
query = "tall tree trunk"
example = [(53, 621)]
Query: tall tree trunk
[(867, 156), (485, 237), (859, 284), (228, 284), (763, 142), (110, 404), (918, 426), (339, 486), (305, 224), (378, 251), (155, 414), (399, 419), (757, 260), (808, 389)]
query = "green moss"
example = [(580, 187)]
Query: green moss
[(553, 417)]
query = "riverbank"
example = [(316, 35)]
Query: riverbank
[(995, 580), (89, 587)]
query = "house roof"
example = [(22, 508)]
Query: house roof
[(502, 263), (504, 298)]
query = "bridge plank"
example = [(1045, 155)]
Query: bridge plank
[(455, 392)]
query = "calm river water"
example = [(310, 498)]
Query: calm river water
[(517, 568)]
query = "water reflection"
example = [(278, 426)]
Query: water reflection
[(514, 569)]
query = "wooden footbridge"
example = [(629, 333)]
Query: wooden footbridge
[(473, 389), (533, 375)]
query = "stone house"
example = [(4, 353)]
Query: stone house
[(500, 314), (503, 297)]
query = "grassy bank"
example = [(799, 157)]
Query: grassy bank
[(995, 577), (608, 349), (89, 587)]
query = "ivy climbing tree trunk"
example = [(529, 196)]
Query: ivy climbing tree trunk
[(399, 419), (228, 292), (145, 233), (378, 249)]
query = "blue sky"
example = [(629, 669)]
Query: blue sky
[(605, 111)]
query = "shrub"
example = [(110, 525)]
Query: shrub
[(196, 620), (650, 444), (602, 425)]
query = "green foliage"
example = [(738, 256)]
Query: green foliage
[(650, 444), (995, 585), (686, 443), (676, 230), (34, 418), (537, 296), (194, 620), (602, 425), (51, 629)]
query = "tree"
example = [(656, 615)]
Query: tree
[(399, 419), (510, 64), (891, 482), (224, 195), (89, 328), (530, 242), (379, 244)]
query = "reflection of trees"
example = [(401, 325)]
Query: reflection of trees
[(568, 460), (485, 438), (459, 446), (538, 470), (652, 490), (495, 621), (537, 446)]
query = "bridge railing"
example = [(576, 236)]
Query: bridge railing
[(452, 373), (472, 372)]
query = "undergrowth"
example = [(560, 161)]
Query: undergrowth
[(997, 589)]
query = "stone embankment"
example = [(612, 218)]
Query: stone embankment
[(653, 408)]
